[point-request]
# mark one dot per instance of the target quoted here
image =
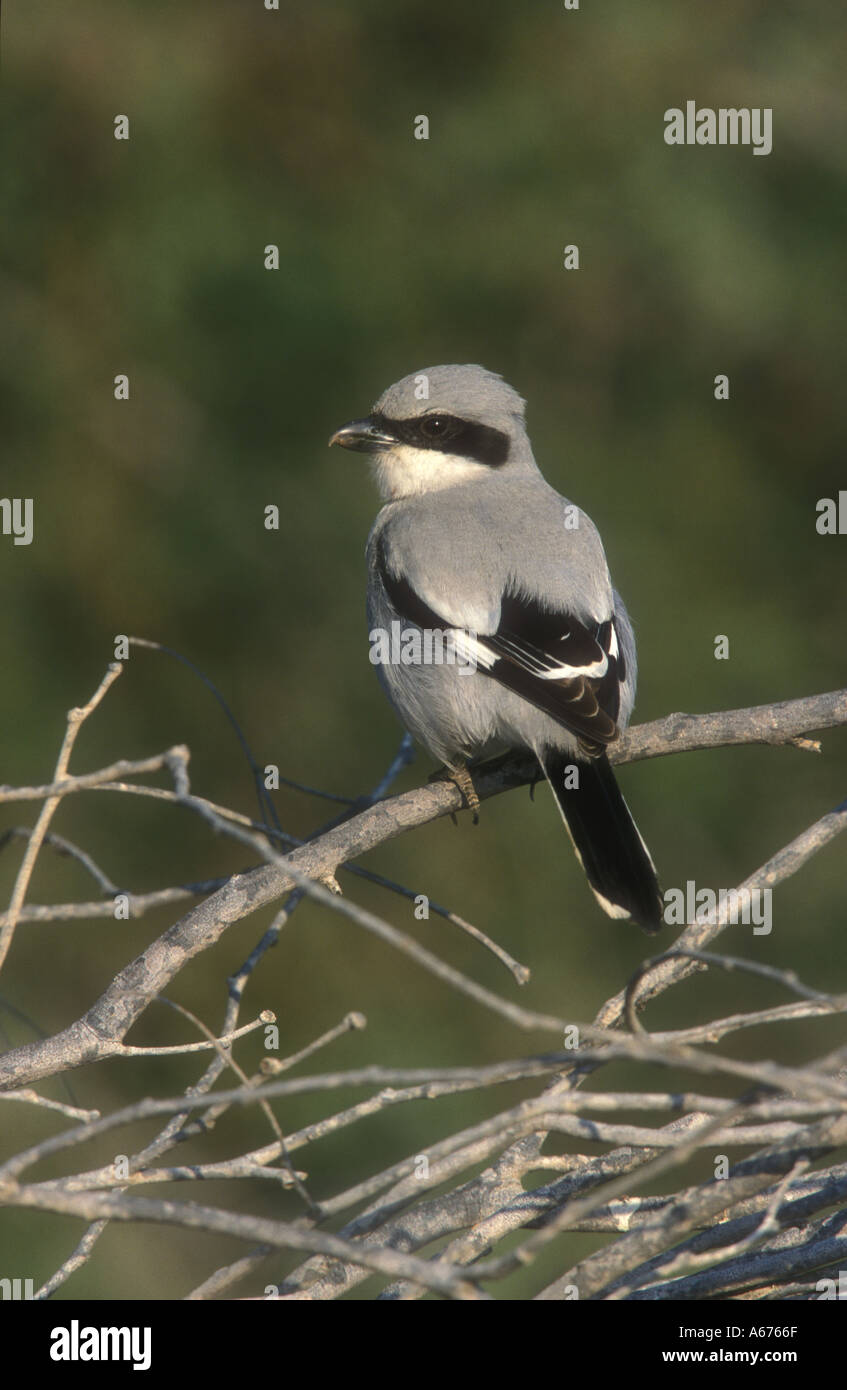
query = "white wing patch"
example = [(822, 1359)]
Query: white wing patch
[(472, 650), (472, 647)]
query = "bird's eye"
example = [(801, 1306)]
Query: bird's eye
[(437, 426)]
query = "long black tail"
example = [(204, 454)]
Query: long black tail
[(616, 860)]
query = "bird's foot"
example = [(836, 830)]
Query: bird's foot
[(536, 778), (463, 780)]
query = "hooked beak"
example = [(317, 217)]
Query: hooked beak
[(364, 436)]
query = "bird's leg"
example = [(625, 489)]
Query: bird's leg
[(460, 775)]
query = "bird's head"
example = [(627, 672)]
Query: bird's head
[(440, 427)]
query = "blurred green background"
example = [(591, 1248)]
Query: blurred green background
[(145, 257)]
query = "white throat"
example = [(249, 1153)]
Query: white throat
[(406, 471)]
